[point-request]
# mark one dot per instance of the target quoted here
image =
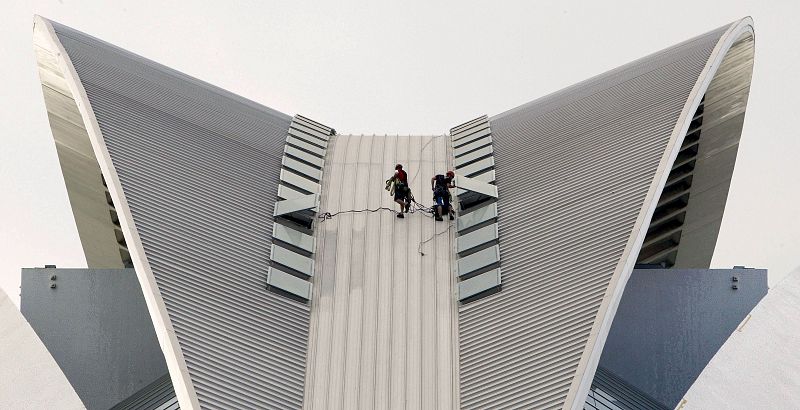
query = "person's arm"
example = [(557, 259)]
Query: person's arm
[(433, 183)]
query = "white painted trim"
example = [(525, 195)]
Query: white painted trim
[(587, 366), (179, 373)]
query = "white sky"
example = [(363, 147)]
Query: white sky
[(401, 67)]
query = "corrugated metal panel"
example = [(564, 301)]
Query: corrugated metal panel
[(200, 167), (610, 392), (383, 320), (572, 169), (157, 395)]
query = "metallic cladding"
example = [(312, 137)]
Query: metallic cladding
[(383, 319), (572, 169), (200, 167), (158, 395), (610, 392)]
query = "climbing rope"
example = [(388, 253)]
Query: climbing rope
[(419, 248), (327, 215), (414, 178), (427, 211)]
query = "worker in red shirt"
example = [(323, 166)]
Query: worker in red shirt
[(401, 190)]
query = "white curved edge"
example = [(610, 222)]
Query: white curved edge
[(608, 308), (167, 338)]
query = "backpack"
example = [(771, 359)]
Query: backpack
[(440, 186)]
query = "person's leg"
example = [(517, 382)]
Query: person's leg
[(439, 208), (398, 198), (447, 209)]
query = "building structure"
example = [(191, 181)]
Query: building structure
[(276, 276), (30, 376), (671, 322), (95, 324)]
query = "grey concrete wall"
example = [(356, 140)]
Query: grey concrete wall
[(671, 322), (758, 367), (96, 326), (29, 377)]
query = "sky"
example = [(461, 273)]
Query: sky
[(411, 67)]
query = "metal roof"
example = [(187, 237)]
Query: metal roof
[(579, 173), (383, 322), (610, 392), (194, 173), (158, 395)]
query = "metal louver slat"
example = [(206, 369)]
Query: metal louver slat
[(300, 168), (477, 217), (299, 182), (473, 145), (478, 260), (308, 138), (285, 257), (479, 284), (293, 237), (474, 156), (476, 238), (304, 156), (289, 283), (304, 145)]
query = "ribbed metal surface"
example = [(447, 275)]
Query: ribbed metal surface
[(610, 392), (572, 169), (383, 332), (157, 395), (199, 167)]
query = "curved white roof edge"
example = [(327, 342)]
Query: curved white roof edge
[(155, 304), (594, 346)]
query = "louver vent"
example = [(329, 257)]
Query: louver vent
[(477, 242), (292, 251), (660, 246)]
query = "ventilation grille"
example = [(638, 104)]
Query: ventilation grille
[(124, 255), (292, 251), (478, 239), (660, 246)]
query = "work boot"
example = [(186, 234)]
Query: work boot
[(400, 216), (439, 218), (451, 217)]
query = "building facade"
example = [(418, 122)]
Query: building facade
[(276, 274)]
